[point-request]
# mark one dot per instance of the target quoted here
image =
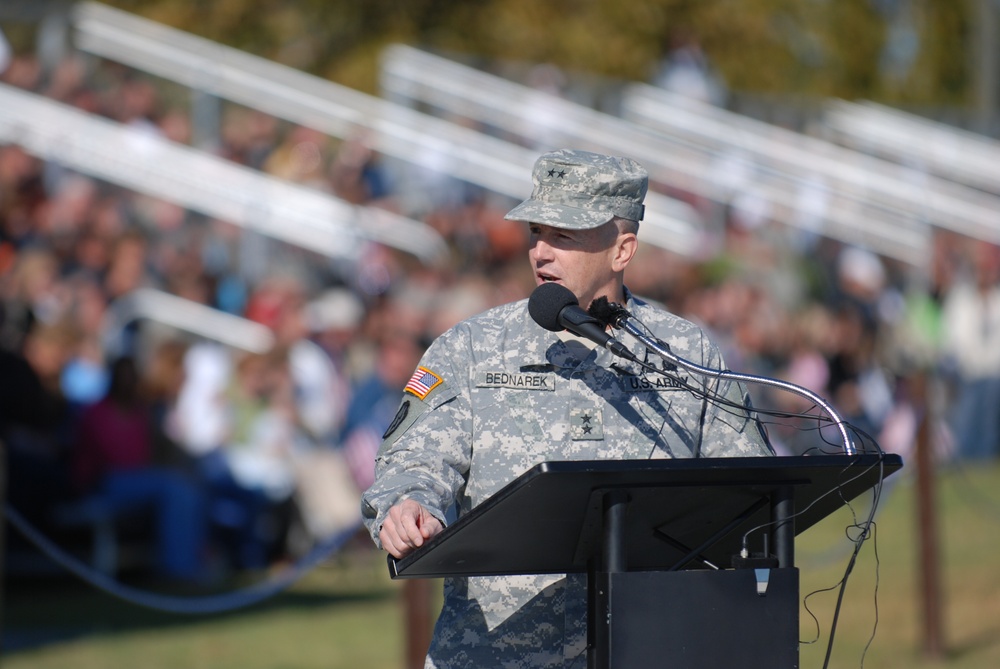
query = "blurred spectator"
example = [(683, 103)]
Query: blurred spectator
[(128, 268), (858, 388), (68, 79), (24, 71), (84, 380), (280, 302), (6, 53), (861, 280), (263, 425), (685, 70), (21, 196), (162, 382), (302, 157), (356, 175), (972, 346), (249, 465), (198, 421), (807, 366), (113, 458), (334, 318), (29, 296), (34, 425), (375, 400), (48, 348), (248, 136)]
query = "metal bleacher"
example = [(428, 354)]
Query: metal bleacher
[(947, 152), (714, 153), (391, 129), (877, 190), (149, 164), (894, 197)]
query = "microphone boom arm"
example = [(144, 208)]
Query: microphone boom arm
[(659, 348)]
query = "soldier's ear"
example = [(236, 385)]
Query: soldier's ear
[(625, 247)]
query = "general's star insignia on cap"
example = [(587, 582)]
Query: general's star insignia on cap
[(580, 190)]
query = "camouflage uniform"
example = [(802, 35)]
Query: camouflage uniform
[(497, 394)]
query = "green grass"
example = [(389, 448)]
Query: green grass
[(968, 530), (348, 614), (341, 616)]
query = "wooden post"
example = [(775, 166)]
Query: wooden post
[(930, 580), (3, 530), (417, 611)]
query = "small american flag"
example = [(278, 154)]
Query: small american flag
[(422, 382)]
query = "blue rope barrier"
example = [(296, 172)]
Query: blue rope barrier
[(229, 601)]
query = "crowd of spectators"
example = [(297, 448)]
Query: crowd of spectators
[(252, 455)]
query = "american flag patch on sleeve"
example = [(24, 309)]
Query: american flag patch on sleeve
[(422, 382)]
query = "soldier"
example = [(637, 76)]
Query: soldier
[(498, 394)]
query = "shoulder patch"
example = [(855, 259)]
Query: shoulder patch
[(423, 382), (401, 414)]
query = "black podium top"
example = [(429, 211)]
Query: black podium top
[(549, 520)]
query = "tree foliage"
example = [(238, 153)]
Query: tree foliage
[(820, 48)]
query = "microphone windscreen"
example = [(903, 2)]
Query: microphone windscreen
[(547, 301), (602, 310)]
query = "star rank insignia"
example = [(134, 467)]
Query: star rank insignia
[(586, 423)]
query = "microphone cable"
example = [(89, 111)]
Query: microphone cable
[(612, 314), (731, 407), (617, 316)]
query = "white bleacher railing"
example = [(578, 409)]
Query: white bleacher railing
[(145, 162), (711, 152), (940, 149), (390, 129), (913, 196), (186, 316)]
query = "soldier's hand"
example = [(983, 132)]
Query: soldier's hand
[(407, 527)]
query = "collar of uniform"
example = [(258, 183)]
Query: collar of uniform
[(637, 348)]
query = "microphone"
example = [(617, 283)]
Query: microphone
[(555, 308)]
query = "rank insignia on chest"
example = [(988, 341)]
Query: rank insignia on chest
[(586, 423)]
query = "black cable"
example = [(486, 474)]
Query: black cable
[(735, 408), (877, 488), (878, 564), (609, 313), (867, 528)]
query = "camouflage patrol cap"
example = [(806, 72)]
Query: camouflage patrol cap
[(579, 190)]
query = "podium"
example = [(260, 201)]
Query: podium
[(660, 542)]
